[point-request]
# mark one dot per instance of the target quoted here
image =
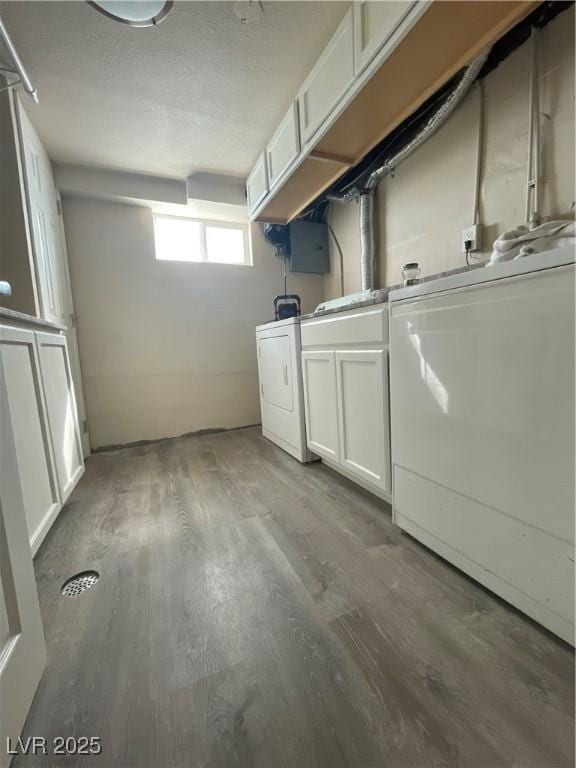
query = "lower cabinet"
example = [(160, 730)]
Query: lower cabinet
[(61, 410), (346, 394), (320, 406), (26, 411), (39, 407), (362, 379)]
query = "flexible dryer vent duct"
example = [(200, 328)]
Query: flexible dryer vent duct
[(366, 195)]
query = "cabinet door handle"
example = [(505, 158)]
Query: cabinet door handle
[(285, 373)]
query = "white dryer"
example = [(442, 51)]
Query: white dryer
[(281, 395)]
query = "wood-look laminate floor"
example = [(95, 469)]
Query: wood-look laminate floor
[(252, 611)]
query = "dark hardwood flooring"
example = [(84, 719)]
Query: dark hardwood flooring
[(252, 611)]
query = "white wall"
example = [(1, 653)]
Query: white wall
[(166, 347), (422, 210)]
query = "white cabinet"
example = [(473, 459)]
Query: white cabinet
[(61, 410), (257, 183), (375, 24), (362, 379), (43, 211), (284, 147), (319, 376), (329, 80), (48, 243), (26, 413), (345, 373)]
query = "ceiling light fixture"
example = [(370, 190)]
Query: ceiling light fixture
[(135, 13)]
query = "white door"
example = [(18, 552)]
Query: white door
[(61, 408), (257, 183), (362, 378), (22, 647), (41, 195), (319, 378), (328, 81), (275, 361), (27, 414), (374, 24), (284, 146)]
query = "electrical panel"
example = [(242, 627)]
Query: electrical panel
[(304, 243), (309, 247)]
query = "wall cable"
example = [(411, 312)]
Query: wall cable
[(338, 246)]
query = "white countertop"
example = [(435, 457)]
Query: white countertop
[(11, 315)]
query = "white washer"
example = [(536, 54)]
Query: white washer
[(482, 407), (281, 395)]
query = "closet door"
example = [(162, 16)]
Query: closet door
[(61, 409), (26, 412), (319, 377)]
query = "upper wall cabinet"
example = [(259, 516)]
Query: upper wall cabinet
[(329, 80), (375, 23), (385, 60), (45, 225), (284, 146), (257, 184)]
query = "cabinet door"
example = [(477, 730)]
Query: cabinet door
[(27, 414), (328, 81), (61, 408), (22, 647), (284, 146), (362, 378), (257, 184), (319, 378), (374, 24), (42, 205)]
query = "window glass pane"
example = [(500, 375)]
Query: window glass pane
[(225, 245), (177, 239)]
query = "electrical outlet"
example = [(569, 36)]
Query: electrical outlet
[(473, 234)]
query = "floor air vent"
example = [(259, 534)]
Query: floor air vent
[(79, 583)]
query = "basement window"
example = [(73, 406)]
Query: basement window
[(195, 240)]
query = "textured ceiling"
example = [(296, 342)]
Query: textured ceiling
[(199, 92)]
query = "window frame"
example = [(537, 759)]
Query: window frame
[(237, 225)]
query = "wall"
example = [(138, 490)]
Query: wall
[(16, 264), (166, 348), (422, 211)]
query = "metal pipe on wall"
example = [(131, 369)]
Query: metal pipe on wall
[(367, 194), (367, 241)]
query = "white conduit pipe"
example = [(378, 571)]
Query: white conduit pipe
[(533, 165), (366, 195)]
